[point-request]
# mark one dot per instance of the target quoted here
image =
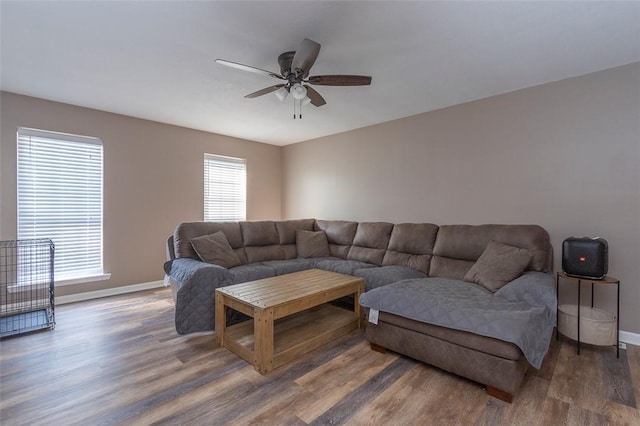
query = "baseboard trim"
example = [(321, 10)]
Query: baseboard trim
[(630, 338), (78, 297)]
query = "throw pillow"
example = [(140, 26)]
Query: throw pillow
[(215, 248), (498, 265), (312, 244)]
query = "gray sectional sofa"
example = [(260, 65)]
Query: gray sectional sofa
[(478, 301)]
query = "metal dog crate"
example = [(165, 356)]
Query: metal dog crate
[(26, 286)]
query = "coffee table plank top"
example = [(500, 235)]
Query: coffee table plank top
[(286, 289)]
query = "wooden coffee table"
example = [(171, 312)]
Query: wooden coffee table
[(290, 314)]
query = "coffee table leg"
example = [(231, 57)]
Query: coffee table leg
[(221, 319), (356, 304), (263, 340)]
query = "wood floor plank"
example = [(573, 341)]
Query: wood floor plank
[(578, 379), (115, 401), (633, 357), (337, 378), (213, 394), (553, 411), (342, 411), (533, 403), (400, 403), (492, 413), (451, 398), (426, 395), (282, 379), (280, 406), (620, 414), (119, 360), (617, 378), (584, 417)]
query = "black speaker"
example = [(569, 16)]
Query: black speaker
[(585, 257)]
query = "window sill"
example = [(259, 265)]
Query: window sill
[(16, 288), (82, 280)]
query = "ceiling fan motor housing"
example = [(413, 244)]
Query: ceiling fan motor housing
[(284, 61)]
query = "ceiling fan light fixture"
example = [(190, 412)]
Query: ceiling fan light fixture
[(299, 92), (282, 94), (305, 101)]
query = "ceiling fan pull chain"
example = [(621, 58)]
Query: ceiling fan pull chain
[(300, 108)]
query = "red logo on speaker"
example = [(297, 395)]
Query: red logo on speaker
[(583, 259)]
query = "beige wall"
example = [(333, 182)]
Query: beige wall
[(564, 155), (153, 180)]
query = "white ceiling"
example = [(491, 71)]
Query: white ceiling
[(155, 59)]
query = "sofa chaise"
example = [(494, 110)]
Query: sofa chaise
[(478, 301)]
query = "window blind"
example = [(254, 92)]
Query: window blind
[(60, 197), (224, 188)]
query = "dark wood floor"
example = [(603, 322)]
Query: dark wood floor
[(119, 361)]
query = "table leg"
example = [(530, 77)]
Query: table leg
[(579, 285), (557, 305), (263, 340), (356, 304), (618, 323), (220, 319)]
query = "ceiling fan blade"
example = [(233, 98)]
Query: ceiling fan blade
[(264, 91), (340, 80), (248, 68), (316, 98), (305, 56)]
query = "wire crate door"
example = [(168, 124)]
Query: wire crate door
[(26, 286)]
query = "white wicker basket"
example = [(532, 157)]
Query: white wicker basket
[(597, 327)]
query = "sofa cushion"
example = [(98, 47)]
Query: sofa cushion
[(340, 235), (499, 264), (411, 245), (214, 248), (262, 253), (457, 247), (290, 265), (287, 234), (259, 233), (341, 266), (185, 232), (287, 229), (376, 277), (311, 244), (370, 242), (251, 272), (446, 267)]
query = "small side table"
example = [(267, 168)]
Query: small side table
[(606, 280)]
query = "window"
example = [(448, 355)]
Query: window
[(225, 188), (60, 197)]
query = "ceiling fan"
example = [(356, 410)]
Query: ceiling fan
[(294, 74)]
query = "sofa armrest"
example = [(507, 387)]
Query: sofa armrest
[(186, 269), (195, 293), (171, 253)]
